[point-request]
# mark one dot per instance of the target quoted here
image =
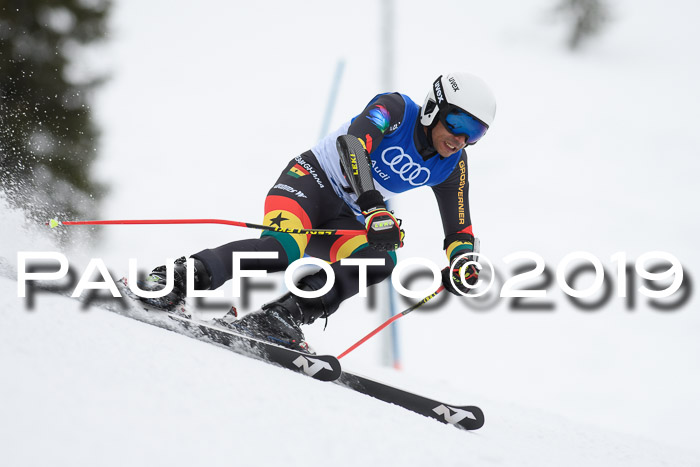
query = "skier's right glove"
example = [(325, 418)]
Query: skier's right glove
[(383, 229), (157, 281)]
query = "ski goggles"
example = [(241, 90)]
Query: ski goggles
[(459, 122)]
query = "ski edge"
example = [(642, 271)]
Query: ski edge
[(320, 367)]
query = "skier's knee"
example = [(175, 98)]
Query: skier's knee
[(288, 244)]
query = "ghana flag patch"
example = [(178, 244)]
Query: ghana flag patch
[(297, 171)]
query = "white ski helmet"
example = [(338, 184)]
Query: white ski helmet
[(466, 92)]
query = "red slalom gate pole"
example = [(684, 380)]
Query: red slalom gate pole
[(389, 321), (55, 223)]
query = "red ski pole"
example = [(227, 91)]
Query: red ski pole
[(55, 223), (389, 321)]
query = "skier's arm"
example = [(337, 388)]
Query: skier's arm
[(364, 134), (453, 201)]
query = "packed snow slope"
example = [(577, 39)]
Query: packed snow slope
[(594, 151), (90, 387)]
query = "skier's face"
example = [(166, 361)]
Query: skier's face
[(445, 142)]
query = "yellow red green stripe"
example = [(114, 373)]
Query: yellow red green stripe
[(288, 214), (346, 246), (458, 247)]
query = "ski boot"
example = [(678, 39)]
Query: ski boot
[(157, 281), (279, 321)]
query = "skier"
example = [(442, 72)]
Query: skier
[(392, 146)]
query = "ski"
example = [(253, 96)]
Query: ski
[(464, 417), (320, 367)]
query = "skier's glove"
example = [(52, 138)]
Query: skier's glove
[(383, 229), (451, 274), (157, 281)]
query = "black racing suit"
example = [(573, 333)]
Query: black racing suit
[(302, 197)]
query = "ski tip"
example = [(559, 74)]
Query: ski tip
[(53, 223), (474, 420)]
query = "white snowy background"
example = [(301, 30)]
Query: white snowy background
[(591, 151)]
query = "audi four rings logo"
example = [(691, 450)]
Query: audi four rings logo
[(402, 165)]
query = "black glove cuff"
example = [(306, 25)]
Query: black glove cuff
[(370, 199)]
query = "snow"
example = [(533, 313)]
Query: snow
[(90, 387), (589, 152)]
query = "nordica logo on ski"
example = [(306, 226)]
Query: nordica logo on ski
[(452, 415), (311, 366)]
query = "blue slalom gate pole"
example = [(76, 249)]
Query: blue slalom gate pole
[(330, 105)]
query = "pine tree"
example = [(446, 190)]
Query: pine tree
[(587, 18), (48, 140)]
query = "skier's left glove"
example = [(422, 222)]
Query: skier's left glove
[(452, 275), (460, 248), (383, 229)]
